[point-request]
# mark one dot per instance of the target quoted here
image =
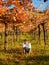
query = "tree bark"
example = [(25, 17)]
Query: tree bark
[(6, 39), (44, 33), (39, 33)]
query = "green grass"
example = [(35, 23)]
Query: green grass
[(15, 56)]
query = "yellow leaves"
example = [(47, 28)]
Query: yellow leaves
[(28, 19), (14, 18), (17, 3), (47, 12), (9, 3), (3, 11), (1, 3)]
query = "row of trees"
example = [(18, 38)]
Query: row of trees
[(24, 20)]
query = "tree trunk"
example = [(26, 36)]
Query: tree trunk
[(16, 31), (39, 33), (34, 33), (13, 35), (1, 35), (44, 33), (5, 39)]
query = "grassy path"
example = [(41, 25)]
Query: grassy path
[(16, 57)]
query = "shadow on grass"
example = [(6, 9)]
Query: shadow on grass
[(19, 51), (39, 58), (27, 60)]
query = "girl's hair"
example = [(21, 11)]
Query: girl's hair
[(25, 40)]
